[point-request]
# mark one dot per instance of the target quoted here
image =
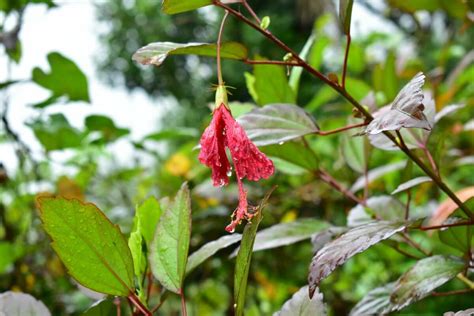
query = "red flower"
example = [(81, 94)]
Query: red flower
[(249, 162)]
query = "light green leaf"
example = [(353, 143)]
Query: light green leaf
[(179, 6), (316, 56), (425, 276), (209, 249), (345, 13), (341, 249), (21, 304), (106, 127), (156, 53), (271, 85), (170, 245), (104, 307), (293, 153), (93, 249), (139, 258), (147, 216), (65, 79), (277, 123), (242, 263), (301, 304), (296, 72), (7, 255), (250, 83), (354, 152)]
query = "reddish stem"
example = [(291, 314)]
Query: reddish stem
[(326, 177), (183, 304), (341, 129), (139, 305), (251, 11), (455, 292), (447, 225), (271, 62), (346, 57)]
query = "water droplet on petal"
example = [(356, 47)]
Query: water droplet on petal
[(229, 173), (280, 143)]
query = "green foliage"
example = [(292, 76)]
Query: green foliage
[(345, 14), (178, 6), (91, 247)]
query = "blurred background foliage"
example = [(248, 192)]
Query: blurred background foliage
[(431, 36)]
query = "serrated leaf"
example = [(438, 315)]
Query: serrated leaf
[(94, 250), (345, 13), (179, 6), (170, 245), (410, 184), (156, 53), (294, 153), (425, 276), (21, 304), (287, 233), (65, 79), (209, 249), (301, 305), (244, 256), (354, 241), (277, 123), (376, 302)]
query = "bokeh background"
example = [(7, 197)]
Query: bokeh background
[(129, 132)]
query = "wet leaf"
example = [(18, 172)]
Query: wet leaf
[(93, 250), (376, 302), (354, 241), (170, 245), (209, 249), (156, 53), (277, 123), (410, 184), (425, 276), (21, 304), (301, 305)]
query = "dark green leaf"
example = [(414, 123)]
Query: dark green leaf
[(277, 123), (376, 302), (156, 53), (170, 245), (354, 241), (345, 13), (209, 249), (93, 249), (242, 263), (65, 78), (425, 276), (301, 305), (21, 304), (178, 6)]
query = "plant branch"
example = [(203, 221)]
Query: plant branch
[(341, 129), (447, 225), (183, 304), (139, 305), (346, 58), (271, 62), (251, 11), (455, 292), (466, 281), (326, 177)]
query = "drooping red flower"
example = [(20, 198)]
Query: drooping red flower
[(249, 162)]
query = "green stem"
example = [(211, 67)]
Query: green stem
[(219, 43), (346, 58)]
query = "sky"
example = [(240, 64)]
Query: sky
[(71, 29)]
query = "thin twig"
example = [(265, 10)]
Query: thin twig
[(346, 57), (271, 62), (183, 304), (340, 129), (468, 223), (349, 98), (415, 244), (466, 281), (403, 252), (455, 292), (251, 11), (326, 177), (139, 305)]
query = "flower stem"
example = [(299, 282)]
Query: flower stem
[(219, 44), (351, 99)]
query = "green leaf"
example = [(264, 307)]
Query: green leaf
[(106, 127), (156, 53), (345, 13), (357, 88), (425, 276), (170, 245), (316, 56), (390, 80), (21, 304), (7, 255), (410, 184), (139, 258), (294, 153), (65, 78), (173, 134), (93, 249), (56, 133), (271, 85), (383, 207), (341, 249), (354, 152), (101, 308), (301, 305), (277, 123), (458, 237), (242, 263), (376, 302), (209, 249), (323, 96), (287, 233), (296, 72), (179, 6), (147, 216)]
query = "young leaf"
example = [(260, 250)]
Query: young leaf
[(410, 184), (147, 216), (376, 302), (21, 304), (179, 6), (296, 72), (425, 276), (301, 305), (93, 249), (156, 53), (345, 13), (242, 263), (277, 123), (139, 259), (74, 87), (170, 245), (287, 233), (354, 241), (209, 249), (271, 85)]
